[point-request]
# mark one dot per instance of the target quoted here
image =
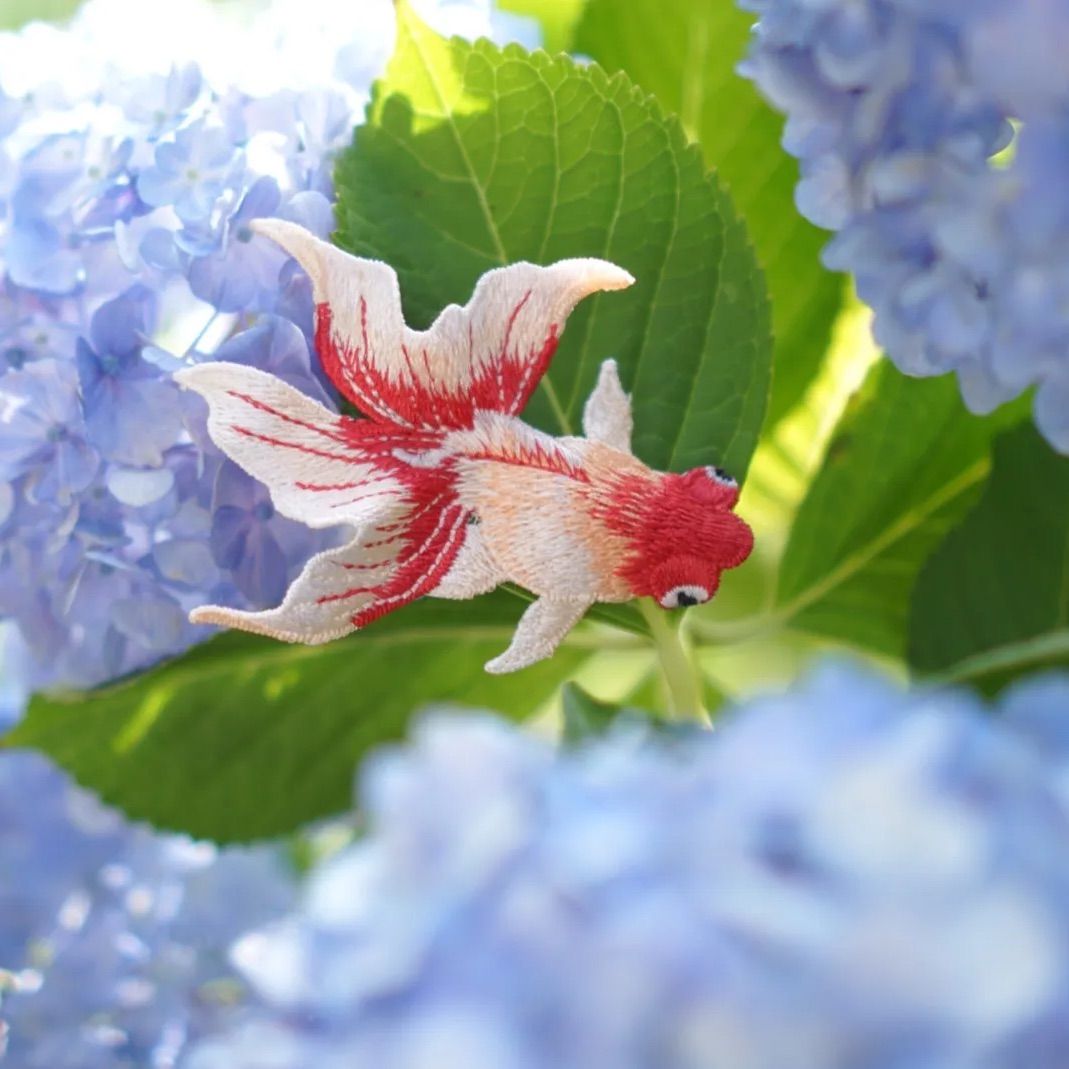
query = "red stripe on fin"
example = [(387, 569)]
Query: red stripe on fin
[(325, 602), (499, 439)]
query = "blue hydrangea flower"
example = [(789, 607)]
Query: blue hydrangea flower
[(112, 939), (160, 102), (128, 178), (899, 113), (843, 876), (44, 433), (245, 268), (130, 412), (245, 541), (191, 171)]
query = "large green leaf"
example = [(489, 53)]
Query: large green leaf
[(686, 52), (474, 156), (993, 600), (244, 737), (904, 465)]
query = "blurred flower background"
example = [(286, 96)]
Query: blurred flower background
[(844, 876), (113, 940)]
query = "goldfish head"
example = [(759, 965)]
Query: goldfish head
[(683, 534)]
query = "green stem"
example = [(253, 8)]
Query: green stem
[(558, 409), (676, 665)]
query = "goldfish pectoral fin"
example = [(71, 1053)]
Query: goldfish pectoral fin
[(473, 571), (607, 416), (539, 632)]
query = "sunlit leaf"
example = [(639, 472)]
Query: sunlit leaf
[(556, 17)]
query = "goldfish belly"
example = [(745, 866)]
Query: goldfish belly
[(536, 526), (474, 570)]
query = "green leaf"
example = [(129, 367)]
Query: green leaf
[(584, 716), (587, 718), (650, 690), (244, 738), (904, 465), (686, 53), (13, 13), (556, 17), (474, 156), (993, 599)]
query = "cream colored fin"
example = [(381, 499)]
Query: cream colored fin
[(607, 415), (539, 633)]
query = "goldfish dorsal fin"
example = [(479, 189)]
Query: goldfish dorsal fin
[(607, 415)]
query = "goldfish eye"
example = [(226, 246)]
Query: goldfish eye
[(680, 597), (718, 475)]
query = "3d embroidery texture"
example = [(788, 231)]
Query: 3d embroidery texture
[(451, 494)]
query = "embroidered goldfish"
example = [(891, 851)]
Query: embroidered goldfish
[(450, 494)]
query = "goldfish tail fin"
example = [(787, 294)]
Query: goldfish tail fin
[(488, 355)]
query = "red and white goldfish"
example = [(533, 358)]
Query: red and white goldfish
[(449, 492)]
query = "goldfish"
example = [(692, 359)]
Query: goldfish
[(448, 492)]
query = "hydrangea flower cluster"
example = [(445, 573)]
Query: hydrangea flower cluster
[(113, 941), (127, 186), (933, 137), (844, 876)]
